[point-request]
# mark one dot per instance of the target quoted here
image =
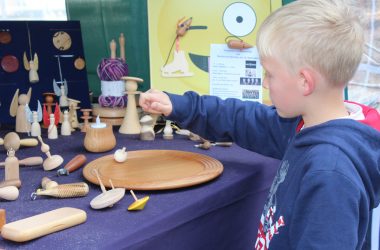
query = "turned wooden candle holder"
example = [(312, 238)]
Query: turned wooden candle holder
[(99, 139)]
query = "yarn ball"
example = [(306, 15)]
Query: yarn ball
[(112, 101), (112, 69)]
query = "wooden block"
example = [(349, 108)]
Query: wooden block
[(43, 224)]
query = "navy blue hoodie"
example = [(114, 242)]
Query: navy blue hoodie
[(328, 180)]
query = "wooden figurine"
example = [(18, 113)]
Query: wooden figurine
[(138, 204), (66, 127), (35, 117), (32, 67), (49, 102), (168, 130), (147, 131), (52, 129), (120, 155), (73, 118), (11, 166), (131, 124), (9, 193), (106, 198), (62, 92), (52, 161), (17, 109)]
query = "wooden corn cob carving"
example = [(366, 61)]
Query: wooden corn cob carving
[(65, 190)]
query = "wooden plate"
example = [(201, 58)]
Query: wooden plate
[(9, 63), (154, 170)]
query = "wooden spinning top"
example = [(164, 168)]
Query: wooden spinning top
[(107, 198), (138, 204), (52, 161)]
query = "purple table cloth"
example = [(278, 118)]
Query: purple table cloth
[(220, 214)]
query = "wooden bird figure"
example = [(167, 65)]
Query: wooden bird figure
[(17, 109), (32, 67)]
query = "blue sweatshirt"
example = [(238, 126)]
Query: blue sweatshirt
[(328, 180)]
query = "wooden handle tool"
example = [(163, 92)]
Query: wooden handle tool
[(29, 142), (72, 165)]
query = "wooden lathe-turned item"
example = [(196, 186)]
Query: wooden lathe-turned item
[(99, 139), (86, 117), (113, 116), (131, 122)]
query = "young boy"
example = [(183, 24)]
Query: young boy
[(329, 177)]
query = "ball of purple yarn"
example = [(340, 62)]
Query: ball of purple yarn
[(112, 69), (112, 101)]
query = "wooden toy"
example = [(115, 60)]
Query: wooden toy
[(72, 165), (52, 161), (49, 102), (43, 224), (46, 116), (3, 219), (9, 193), (16, 183), (11, 166), (17, 109), (70, 190), (52, 129), (73, 118), (207, 144), (32, 67), (35, 129), (147, 131), (79, 63), (106, 198), (46, 183), (238, 44), (61, 91), (138, 204), (168, 131), (12, 140), (30, 161), (131, 124), (120, 155), (66, 126), (62, 40), (99, 138), (86, 117)]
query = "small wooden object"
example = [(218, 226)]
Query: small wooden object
[(138, 204), (12, 171), (70, 190), (49, 101), (15, 182), (131, 123), (113, 116), (12, 140), (73, 118), (46, 183), (72, 165), (3, 218), (9, 193), (30, 161), (106, 198), (32, 67), (52, 129), (147, 131), (17, 109), (122, 46), (99, 139), (43, 224), (86, 117), (35, 127), (66, 127), (52, 161), (120, 155), (168, 131)]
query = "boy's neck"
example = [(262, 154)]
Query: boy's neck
[(324, 110)]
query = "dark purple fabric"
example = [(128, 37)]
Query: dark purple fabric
[(220, 214)]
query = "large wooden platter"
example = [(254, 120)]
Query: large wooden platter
[(154, 170)]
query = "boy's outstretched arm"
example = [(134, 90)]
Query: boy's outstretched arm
[(156, 102)]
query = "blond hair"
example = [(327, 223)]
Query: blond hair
[(325, 35)]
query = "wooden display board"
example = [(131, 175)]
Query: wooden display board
[(49, 40)]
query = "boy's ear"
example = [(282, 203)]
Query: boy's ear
[(307, 81)]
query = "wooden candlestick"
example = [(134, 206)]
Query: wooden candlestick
[(131, 121)]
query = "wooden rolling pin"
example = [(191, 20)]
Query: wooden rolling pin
[(30, 161), (72, 165)]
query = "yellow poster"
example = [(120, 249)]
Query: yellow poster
[(181, 33)]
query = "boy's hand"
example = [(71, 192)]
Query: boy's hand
[(156, 102)]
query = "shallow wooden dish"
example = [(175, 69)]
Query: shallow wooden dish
[(154, 170)]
